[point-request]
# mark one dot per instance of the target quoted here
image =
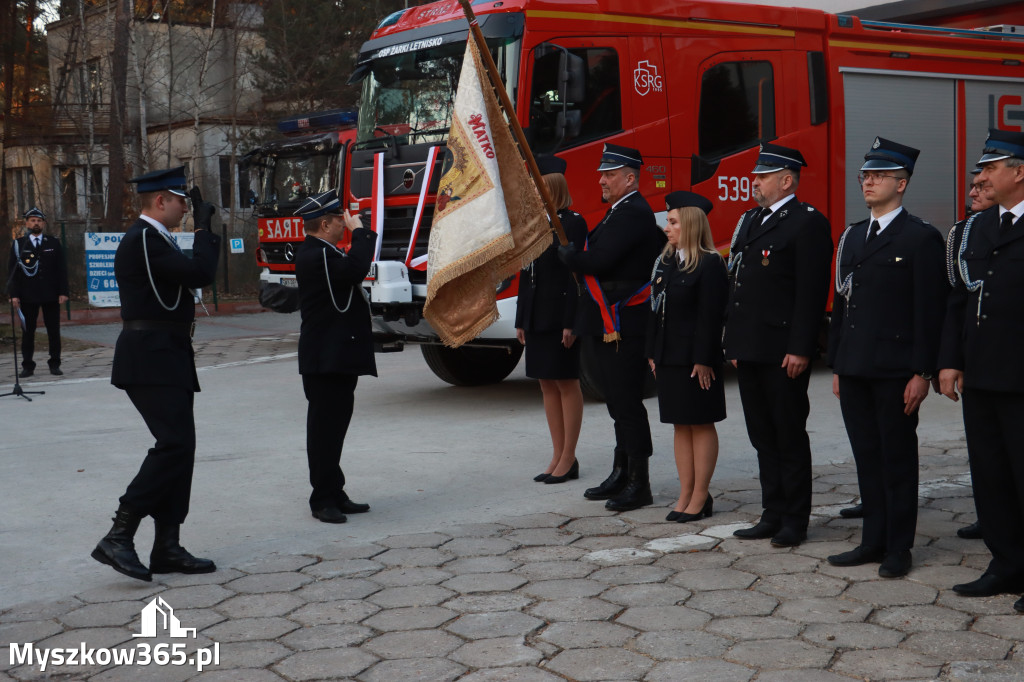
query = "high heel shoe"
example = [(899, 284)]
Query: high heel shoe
[(540, 478), (704, 512), (573, 473)]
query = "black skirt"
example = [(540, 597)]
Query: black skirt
[(547, 358), (681, 400)]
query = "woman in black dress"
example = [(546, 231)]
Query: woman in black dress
[(544, 319), (689, 291)]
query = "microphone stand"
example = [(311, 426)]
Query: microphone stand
[(18, 391)]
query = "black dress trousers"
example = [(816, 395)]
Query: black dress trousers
[(331, 399), (51, 318), (622, 369)]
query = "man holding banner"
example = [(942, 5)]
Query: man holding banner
[(612, 323)]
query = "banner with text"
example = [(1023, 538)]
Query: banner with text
[(100, 248)]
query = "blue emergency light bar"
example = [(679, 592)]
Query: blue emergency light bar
[(324, 120)]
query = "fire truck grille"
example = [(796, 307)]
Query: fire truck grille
[(397, 231), (279, 253)]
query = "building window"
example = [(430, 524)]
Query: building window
[(23, 190), (97, 195), (225, 183), (77, 198), (737, 108), (67, 192)]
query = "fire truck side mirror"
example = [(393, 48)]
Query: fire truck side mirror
[(569, 123), (572, 72)]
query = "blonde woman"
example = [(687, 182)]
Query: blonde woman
[(689, 290), (544, 320)]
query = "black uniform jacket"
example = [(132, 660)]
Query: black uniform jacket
[(779, 284), (619, 253), (50, 280), (548, 293), (686, 329), (889, 327), (159, 357), (333, 342), (987, 346)]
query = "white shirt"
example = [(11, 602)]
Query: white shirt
[(1017, 211), (157, 224), (777, 205), (883, 221)]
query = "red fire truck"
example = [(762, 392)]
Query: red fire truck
[(310, 159), (696, 86)]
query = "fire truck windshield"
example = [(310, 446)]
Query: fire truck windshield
[(410, 96), (293, 178)]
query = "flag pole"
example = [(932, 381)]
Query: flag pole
[(510, 113)]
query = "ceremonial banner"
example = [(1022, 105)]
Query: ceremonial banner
[(489, 220)]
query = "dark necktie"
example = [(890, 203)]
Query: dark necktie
[(872, 231), (35, 242), (1006, 222)]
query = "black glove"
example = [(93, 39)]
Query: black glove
[(202, 211), (565, 251)]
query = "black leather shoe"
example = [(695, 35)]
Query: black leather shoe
[(789, 537), (854, 512), (168, 556), (329, 515), (704, 512), (637, 492), (763, 529), (1018, 605), (673, 515), (541, 477), (572, 474), (971, 532), (896, 564), (614, 484), (858, 556), (56, 371), (26, 373), (117, 548), (350, 507), (987, 585)]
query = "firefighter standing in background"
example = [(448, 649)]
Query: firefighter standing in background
[(545, 314), (689, 288), (335, 343), (612, 323), (38, 280), (980, 357), (883, 350), (155, 365), (779, 263)]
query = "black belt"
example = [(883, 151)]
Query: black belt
[(187, 328)]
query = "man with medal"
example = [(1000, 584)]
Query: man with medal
[(883, 350), (155, 365), (980, 359), (779, 267), (612, 319)]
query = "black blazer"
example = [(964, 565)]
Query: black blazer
[(779, 284), (51, 279), (159, 357), (686, 327), (548, 293), (619, 253), (889, 327), (987, 346), (333, 342)]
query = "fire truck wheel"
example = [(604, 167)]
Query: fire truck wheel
[(471, 366), (591, 384)]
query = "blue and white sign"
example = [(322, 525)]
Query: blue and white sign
[(100, 248), (237, 245)]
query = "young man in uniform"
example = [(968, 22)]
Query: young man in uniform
[(616, 267), (38, 281), (155, 365), (980, 357), (883, 349), (779, 268), (335, 343)]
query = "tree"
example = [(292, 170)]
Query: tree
[(311, 50)]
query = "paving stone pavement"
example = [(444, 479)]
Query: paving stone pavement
[(585, 595)]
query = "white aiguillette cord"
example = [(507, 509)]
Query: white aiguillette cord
[(149, 273), (330, 289)]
